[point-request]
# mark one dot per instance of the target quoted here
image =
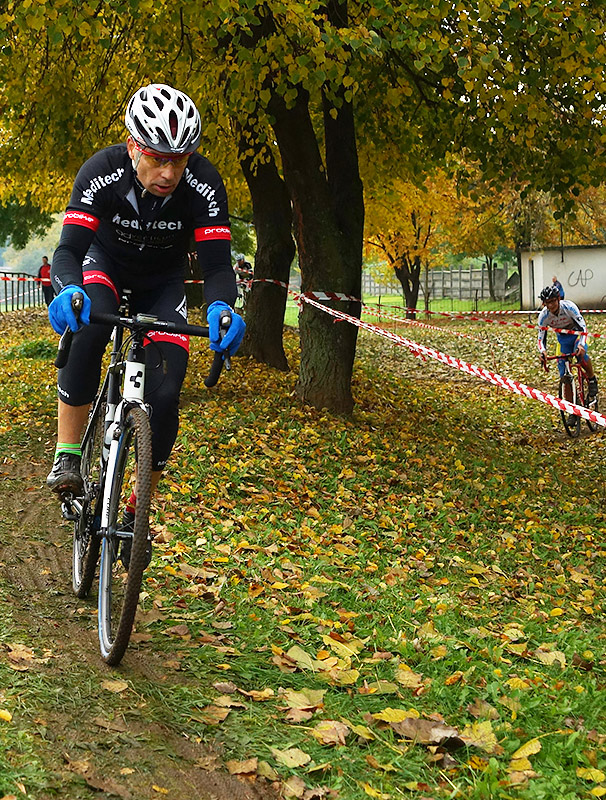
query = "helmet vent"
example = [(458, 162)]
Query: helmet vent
[(163, 119)]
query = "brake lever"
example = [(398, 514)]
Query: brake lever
[(224, 325), (65, 342)]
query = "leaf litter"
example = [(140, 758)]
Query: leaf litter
[(407, 554)]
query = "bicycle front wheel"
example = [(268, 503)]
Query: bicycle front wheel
[(572, 423), (86, 542), (119, 590), (593, 426)]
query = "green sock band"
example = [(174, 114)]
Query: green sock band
[(66, 447)]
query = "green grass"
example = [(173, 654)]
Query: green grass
[(441, 547), (446, 305)]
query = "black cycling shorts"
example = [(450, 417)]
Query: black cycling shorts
[(166, 354)]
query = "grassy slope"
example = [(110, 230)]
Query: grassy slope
[(439, 553)]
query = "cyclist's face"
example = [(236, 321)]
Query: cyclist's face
[(553, 304), (157, 174)]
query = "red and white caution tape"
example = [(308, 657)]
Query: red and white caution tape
[(528, 325), (378, 312), (491, 377), (331, 296), (11, 279), (283, 284)]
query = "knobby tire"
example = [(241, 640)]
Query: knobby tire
[(584, 391), (119, 592), (572, 429), (86, 542)]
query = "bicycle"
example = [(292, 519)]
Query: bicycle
[(116, 459), (243, 284), (578, 393)]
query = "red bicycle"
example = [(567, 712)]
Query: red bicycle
[(577, 383)]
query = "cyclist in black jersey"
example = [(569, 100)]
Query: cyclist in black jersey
[(133, 209)]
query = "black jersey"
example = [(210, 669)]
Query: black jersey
[(145, 236)]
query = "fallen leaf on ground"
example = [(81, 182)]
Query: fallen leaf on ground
[(396, 714), (531, 747), (303, 698), (225, 687), (294, 787), (21, 657), (481, 734), (114, 686), (371, 792), (258, 695), (330, 732), (372, 762), (210, 715), (378, 687), (302, 659), (550, 657), (265, 770), (247, 767), (227, 701), (426, 731), (590, 774), (407, 678), (293, 757), (480, 708)]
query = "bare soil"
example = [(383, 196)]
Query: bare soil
[(93, 743)]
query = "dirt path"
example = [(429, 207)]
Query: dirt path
[(94, 741)]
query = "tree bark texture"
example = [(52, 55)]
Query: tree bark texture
[(328, 216), (272, 218), (408, 272), (488, 260)]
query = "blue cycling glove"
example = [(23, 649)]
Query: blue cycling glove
[(231, 341), (61, 313)]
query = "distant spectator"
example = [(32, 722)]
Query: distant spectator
[(244, 274), (243, 268), (558, 286), (45, 281)]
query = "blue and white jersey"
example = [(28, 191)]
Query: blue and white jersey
[(568, 318)]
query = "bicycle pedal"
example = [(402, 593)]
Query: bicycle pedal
[(68, 512)]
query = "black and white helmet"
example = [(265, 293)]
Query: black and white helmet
[(549, 293), (164, 119)]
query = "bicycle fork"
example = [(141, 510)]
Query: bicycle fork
[(133, 394)]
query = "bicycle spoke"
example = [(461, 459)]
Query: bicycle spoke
[(118, 588)]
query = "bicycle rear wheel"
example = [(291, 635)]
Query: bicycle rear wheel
[(572, 423), (86, 542), (119, 590), (584, 391)]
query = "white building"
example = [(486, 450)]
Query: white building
[(581, 271)]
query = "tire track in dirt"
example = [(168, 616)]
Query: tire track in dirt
[(82, 748)]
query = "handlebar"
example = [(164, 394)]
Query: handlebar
[(65, 342), (144, 323), (561, 357)]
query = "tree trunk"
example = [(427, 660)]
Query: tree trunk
[(490, 269), (409, 273), (194, 292), (328, 220), (272, 217)]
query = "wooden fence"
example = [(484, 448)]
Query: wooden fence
[(458, 283)]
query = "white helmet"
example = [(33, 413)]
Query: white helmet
[(164, 119)]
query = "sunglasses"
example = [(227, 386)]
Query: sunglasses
[(163, 160)]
